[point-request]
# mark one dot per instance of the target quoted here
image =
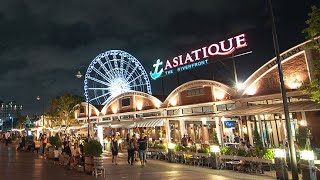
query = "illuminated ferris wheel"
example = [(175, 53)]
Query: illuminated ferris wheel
[(112, 73)]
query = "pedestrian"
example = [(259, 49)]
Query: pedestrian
[(131, 150), (184, 141), (142, 149), (128, 139), (56, 156), (44, 142), (114, 149), (136, 148), (7, 137)]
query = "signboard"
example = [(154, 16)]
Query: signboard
[(198, 57)]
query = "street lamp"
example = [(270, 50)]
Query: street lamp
[(38, 98), (79, 75), (294, 167)]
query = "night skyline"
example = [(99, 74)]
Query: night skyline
[(44, 44)]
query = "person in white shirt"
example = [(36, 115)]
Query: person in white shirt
[(56, 155), (7, 137)]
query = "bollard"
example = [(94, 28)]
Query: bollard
[(171, 152), (281, 168), (215, 161), (307, 165), (280, 164)]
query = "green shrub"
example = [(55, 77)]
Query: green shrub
[(193, 148), (178, 147), (223, 150), (55, 141), (269, 154), (242, 152), (160, 146), (203, 150), (92, 148)]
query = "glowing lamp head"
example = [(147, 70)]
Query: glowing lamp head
[(171, 146), (139, 105), (251, 90), (78, 75), (214, 149), (173, 102), (279, 153), (114, 109), (307, 155), (303, 123), (157, 104), (220, 95), (239, 86)]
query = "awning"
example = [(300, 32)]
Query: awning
[(149, 122), (271, 109)]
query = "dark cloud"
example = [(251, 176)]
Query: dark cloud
[(42, 43)]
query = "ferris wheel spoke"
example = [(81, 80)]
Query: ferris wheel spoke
[(101, 74), (98, 88), (109, 65), (127, 68), (121, 65), (135, 78), (104, 68), (137, 85), (130, 75), (100, 96), (99, 81)]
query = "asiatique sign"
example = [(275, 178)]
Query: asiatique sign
[(198, 57)]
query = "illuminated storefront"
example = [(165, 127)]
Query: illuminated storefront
[(201, 108)]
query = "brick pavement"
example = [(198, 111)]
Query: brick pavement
[(26, 165)]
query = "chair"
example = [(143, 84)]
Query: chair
[(98, 168)]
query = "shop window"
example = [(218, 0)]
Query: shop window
[(197, 110), (151, 114), (231, 106), (173, 112), (106, 119), (125, 102), (187, 111), (127, 117), (195, 92), (221, 107), (254, 103), (208, 109), (82, 109)]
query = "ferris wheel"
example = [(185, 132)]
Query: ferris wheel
[(112, 73)]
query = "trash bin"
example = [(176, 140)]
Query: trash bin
[(308, 169), (281, 168)]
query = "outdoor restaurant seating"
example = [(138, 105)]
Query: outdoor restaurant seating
[(231, 162)]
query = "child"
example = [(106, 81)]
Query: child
[(56, 156)]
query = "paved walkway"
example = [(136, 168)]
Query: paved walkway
[(27, 165)]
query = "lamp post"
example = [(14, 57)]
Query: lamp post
[(38, 98), (294, 168), (79, 75)]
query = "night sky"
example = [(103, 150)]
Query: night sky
[(43, 44)]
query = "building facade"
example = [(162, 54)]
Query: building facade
[(201, 109), (8, 112)]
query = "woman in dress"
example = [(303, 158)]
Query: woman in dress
[(114, 149)]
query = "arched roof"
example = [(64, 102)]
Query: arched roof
[(132, 93), (197, 83), (271, 64)]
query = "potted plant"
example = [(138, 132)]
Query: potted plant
[(55, 142), (92, 149)]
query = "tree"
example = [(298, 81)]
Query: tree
[(19, 122), (215, 137), (62, 108), (313, 33)]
